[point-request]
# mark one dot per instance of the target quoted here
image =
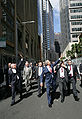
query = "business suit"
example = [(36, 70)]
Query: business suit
[(48, 80), (80, 70), (27, 74), (16, 81), (19, 68), (62, 78), (72, 79), (40, 69)]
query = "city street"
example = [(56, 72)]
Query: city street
[(32, 107)]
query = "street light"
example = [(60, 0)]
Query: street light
[(23, 23)]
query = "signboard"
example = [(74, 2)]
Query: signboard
[(2, 42)]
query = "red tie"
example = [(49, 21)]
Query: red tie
[(70, 70), (61, 69), (50, 69)]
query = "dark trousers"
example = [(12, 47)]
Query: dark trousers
[(16, 86), (39, 87), (48, 94), (62, 87), (73, 82), (81, 79)]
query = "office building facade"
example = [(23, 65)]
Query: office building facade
[(47, 29), (18, 11), (71, 22)]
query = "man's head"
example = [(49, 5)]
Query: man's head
[(69, 62), (40, 64), (26, 64), (47, 62), (13, 66), (9, 65)]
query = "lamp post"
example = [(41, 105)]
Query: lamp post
[(23, 23)]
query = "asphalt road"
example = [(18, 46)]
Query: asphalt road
[(32, 107)]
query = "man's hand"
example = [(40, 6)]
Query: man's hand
[(41, 84), (9, 85)]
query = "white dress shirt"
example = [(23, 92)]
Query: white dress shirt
[(62, 72)]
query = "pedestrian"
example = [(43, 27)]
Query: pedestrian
[(80, 70), (27, 74), (1, 76), (40, 69), (48, 72), (73, 74), (62, 76), (16, 80), (36, 71)]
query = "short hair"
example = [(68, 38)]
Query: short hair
[(46, 62)]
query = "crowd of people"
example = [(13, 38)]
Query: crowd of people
[(50, 74)]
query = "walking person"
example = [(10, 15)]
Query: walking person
[(62, 76), (40, 69), (80, 70), (16, 80), (27, 74), (73, 74), (48, 72)]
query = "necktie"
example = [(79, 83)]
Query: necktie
[(61, 69), (70, 71), (50, 69)]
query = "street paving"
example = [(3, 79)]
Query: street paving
[(32, 107)]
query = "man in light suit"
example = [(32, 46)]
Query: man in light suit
[(40, 69), (48, 72), (27, 74), (73, 74)]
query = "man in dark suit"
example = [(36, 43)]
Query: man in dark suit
[(49, 73), (80, 70), (72, 79), (16, 80), (62, 78)]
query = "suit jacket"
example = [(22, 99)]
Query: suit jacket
[(27, 73), (80, 68), (10, 75), (66, 71), (75, 72), (48, 76)]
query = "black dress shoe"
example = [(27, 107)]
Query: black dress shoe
[(62, 100), (76, 98), (50, 105), (39, 95), (12, 103)]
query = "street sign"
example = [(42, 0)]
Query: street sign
[(2, 42)]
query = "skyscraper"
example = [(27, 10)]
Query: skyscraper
[(71, 22), (47, 29)]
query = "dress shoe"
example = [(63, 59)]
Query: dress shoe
[(62, 100), (50, 105), (76, 98), (39, 95), (12, 103)]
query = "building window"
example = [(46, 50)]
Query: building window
[(74, 35), (76, 29), (75, 4), (76, 23), (76, 16), (75, 10)]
